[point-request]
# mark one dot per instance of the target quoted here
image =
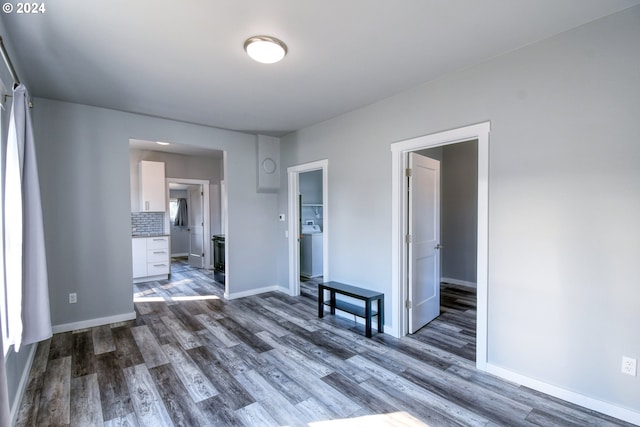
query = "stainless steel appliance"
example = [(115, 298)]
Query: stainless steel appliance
[(218, 242)]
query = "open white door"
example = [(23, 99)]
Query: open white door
[(424, 241), (196, 226)]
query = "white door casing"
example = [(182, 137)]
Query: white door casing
[(293, 228), (399, 217), (195, 208), (423, 233)]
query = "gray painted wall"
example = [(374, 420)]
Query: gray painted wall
[(459, 216), (564, 198), (434, 153), (84, 173), (311, 187)]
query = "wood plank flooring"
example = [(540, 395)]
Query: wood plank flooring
[(193, 359)]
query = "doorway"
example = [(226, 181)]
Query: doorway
[(314, 209), (189, 222), (400, 216), (311, 225)]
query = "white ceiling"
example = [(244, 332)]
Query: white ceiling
[(186, 150), (184, 59)]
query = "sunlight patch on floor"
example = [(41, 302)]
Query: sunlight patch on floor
[(145, 292), (381, 420), (176, 283)]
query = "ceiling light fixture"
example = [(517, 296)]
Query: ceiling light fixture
[(265, 49), (162, 143)]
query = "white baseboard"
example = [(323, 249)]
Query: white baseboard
[(22, 385), (66, 327), (151, 278), (251, 292), (570, 396), (459, 282)]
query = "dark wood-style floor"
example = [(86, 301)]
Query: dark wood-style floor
[(193, 359)]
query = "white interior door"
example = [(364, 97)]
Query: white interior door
[(196, 225), (424, 241)]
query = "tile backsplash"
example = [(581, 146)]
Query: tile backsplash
[(147, 223)]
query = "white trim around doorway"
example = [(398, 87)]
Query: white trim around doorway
[(294, 219), (399, 155)]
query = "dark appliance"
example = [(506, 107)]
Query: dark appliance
[(218, 258)]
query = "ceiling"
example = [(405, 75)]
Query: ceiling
[(184, 60), (182, 149)]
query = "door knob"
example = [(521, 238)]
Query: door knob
[(439, 246)]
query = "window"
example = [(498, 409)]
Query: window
[(173, 210)]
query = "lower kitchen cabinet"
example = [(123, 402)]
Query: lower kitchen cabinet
[(151, 258), (139, 254)]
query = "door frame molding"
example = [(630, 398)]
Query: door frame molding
[(399, 156), (294, 219), (206, 214)]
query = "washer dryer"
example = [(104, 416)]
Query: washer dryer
[(311, 251)]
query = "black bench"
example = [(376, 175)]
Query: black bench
[(365, 295)]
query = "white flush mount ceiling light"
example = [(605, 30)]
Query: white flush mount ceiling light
[(162, 143), (265, 49)]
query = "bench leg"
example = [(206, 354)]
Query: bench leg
[(332, 300), (367, 317), (320, 302), (381, 315)]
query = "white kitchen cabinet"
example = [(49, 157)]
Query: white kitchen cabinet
[(139, 256), (158, 256), (151, 258), (152, 187)]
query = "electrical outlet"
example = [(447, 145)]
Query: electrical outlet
[(73, 298), (629, 366)]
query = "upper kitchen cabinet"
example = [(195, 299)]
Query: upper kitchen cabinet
[(152, 187)]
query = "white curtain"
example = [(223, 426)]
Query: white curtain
[(28, 315), (5, 410)]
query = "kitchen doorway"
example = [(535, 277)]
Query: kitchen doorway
[(200, 171)]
